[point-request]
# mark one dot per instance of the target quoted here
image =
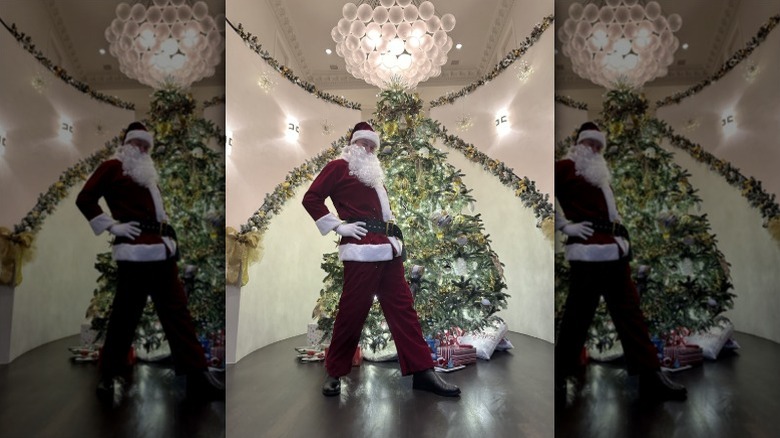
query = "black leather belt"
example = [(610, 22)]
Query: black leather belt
[(613, 228), (160, 228), (381, 227)]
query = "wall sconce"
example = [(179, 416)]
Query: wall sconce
[(728, 123), (292, 130), (3, 141), (228, 143), (65, 129), (502, 122)]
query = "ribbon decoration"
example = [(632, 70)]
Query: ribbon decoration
[(15, 249), (241, 250)]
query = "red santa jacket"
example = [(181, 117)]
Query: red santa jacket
[(353, 200), (581, 201), (128, 201)]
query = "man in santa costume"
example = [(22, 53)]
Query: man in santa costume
[(597, 248), (145, 251), (371, 246)]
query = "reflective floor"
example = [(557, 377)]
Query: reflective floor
[(44, 394), (736, 396), (270, 394)]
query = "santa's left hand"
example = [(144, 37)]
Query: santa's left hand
[(582, 230), (355, 230)]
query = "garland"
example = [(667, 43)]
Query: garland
[(26, 42), (524, 188), (727, 66), (568, 101), (513, 56), (48, 200), (216, 100), (251, 41), (751, 188)]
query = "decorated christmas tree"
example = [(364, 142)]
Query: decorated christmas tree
[(192, 182), (682, 277), (456, 278)]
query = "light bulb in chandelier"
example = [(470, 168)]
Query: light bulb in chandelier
[(395, 42), (621, 43), (166, 42)]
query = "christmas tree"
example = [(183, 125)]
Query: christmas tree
[(456, 279), (192, 182), (682, 277)]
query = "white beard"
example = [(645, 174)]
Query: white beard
[(590, 165), (364, 165), (137, 165)]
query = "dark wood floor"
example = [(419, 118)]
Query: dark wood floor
[(271, 395), (43, 394), (736, 396)]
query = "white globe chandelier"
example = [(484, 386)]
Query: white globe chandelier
[(393, 42), (170, 42), (621, 43)]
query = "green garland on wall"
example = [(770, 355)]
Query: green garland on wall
[(26, 42), (750, 187), (251, 42), (510, 58), (568, 101), (47, 201), (739, 56)]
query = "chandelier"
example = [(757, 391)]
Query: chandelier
[(621, 43), (393, 42), (170, 42)]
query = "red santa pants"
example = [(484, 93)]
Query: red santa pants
[(588, 281), (363, 280), (135, 282)]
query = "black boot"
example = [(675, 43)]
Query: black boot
[(428, 380), (332, 386), (657, 386), (203, 385)]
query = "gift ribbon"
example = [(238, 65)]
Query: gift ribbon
[(15, 249), (241, 250)]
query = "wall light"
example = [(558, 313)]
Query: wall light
[(292, 129), (228, 143), (65, 129), (502, 122), (3, 141), (728, 122)]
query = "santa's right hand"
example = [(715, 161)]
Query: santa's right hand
[(355, 230), (129, 230), (582, 230)]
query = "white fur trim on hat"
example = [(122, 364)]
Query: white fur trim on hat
[(140, 135), (593, 135), (366, 134)]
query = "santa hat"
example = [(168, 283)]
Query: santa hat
[(589, 130), (136, 130), (364, 130)]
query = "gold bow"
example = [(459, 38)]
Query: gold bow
[(241, 250), (14, 250), (548, 228)]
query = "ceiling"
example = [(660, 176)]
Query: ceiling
[(79, 26)]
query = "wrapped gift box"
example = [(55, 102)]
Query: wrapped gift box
[(313, 334)]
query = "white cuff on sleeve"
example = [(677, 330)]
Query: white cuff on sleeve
[(101, 223), (327, 223)]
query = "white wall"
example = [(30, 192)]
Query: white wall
[(750, 144), (58, 284), (35, 155)]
